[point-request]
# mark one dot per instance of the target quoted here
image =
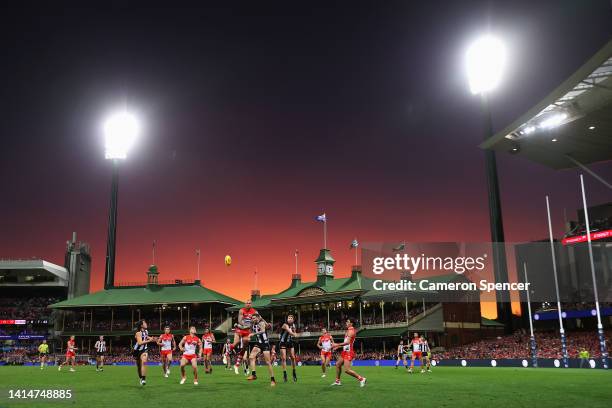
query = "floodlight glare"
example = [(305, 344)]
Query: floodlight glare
[(553, 121), (485, 60), (120, 131)]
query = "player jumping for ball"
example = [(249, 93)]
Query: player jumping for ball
[(262, 345), (242, 333)]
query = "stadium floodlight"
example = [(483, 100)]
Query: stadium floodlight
[(485, 60), (121, 130)]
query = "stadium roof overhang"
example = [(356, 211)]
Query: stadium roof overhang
[(26, 271), (322, 298), (384, 332), (572, 126), (147, 295)]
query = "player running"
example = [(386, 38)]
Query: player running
[(227, 352), (100, 347), (141, 350), (347, 355), (167, 346), (325, 345), (188, 345), (426, 353), (415, 344), (70, 355), (262, 345), (401, 355), (285, 343), (43, 353), (242, 333), (208, 339)]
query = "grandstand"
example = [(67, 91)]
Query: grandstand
[(28, 287), (382, 317), (114, 312)]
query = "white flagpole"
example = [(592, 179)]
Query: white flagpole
[(296, 261), (356, 256), (153, 253), (198, 253), (325, 233), (554, 262), (602, 340), (534, 354)]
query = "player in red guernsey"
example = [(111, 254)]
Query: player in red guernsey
[(325, 345), (191, 346), (208, 339), (415, 344), (167, 345), (70, 354), (242, 331), (347, 355)]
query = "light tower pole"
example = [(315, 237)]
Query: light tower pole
[(485, 62), (120, 131)]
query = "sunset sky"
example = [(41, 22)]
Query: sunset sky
[(259, 117)]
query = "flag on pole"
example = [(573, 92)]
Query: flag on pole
[(321, 218), (400, 247), (197, 252), (354, 244)]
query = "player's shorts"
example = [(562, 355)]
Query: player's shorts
[(347, 355), (262, 346), (70, 354), (207, 352), (326, 354), (99, 353), (243, 332), (137, 353), (41, 355), (417, 354), (165, 352), (402, 355), (285, 345), (189, 357)]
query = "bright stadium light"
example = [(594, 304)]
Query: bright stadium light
[(553, 121), (120, 132), (485, 60)]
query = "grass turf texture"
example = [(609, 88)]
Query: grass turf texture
[(454, 387)]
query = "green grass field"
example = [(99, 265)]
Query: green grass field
[(446, 387)]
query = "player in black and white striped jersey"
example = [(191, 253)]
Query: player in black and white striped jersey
[(141, 350), (426, 358), (100, 347)]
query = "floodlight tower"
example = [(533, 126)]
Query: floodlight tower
[(121, 130), (485, 60)]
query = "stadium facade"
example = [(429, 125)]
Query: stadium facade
[(382, 317)]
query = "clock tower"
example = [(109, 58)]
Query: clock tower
[(325, 266)]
